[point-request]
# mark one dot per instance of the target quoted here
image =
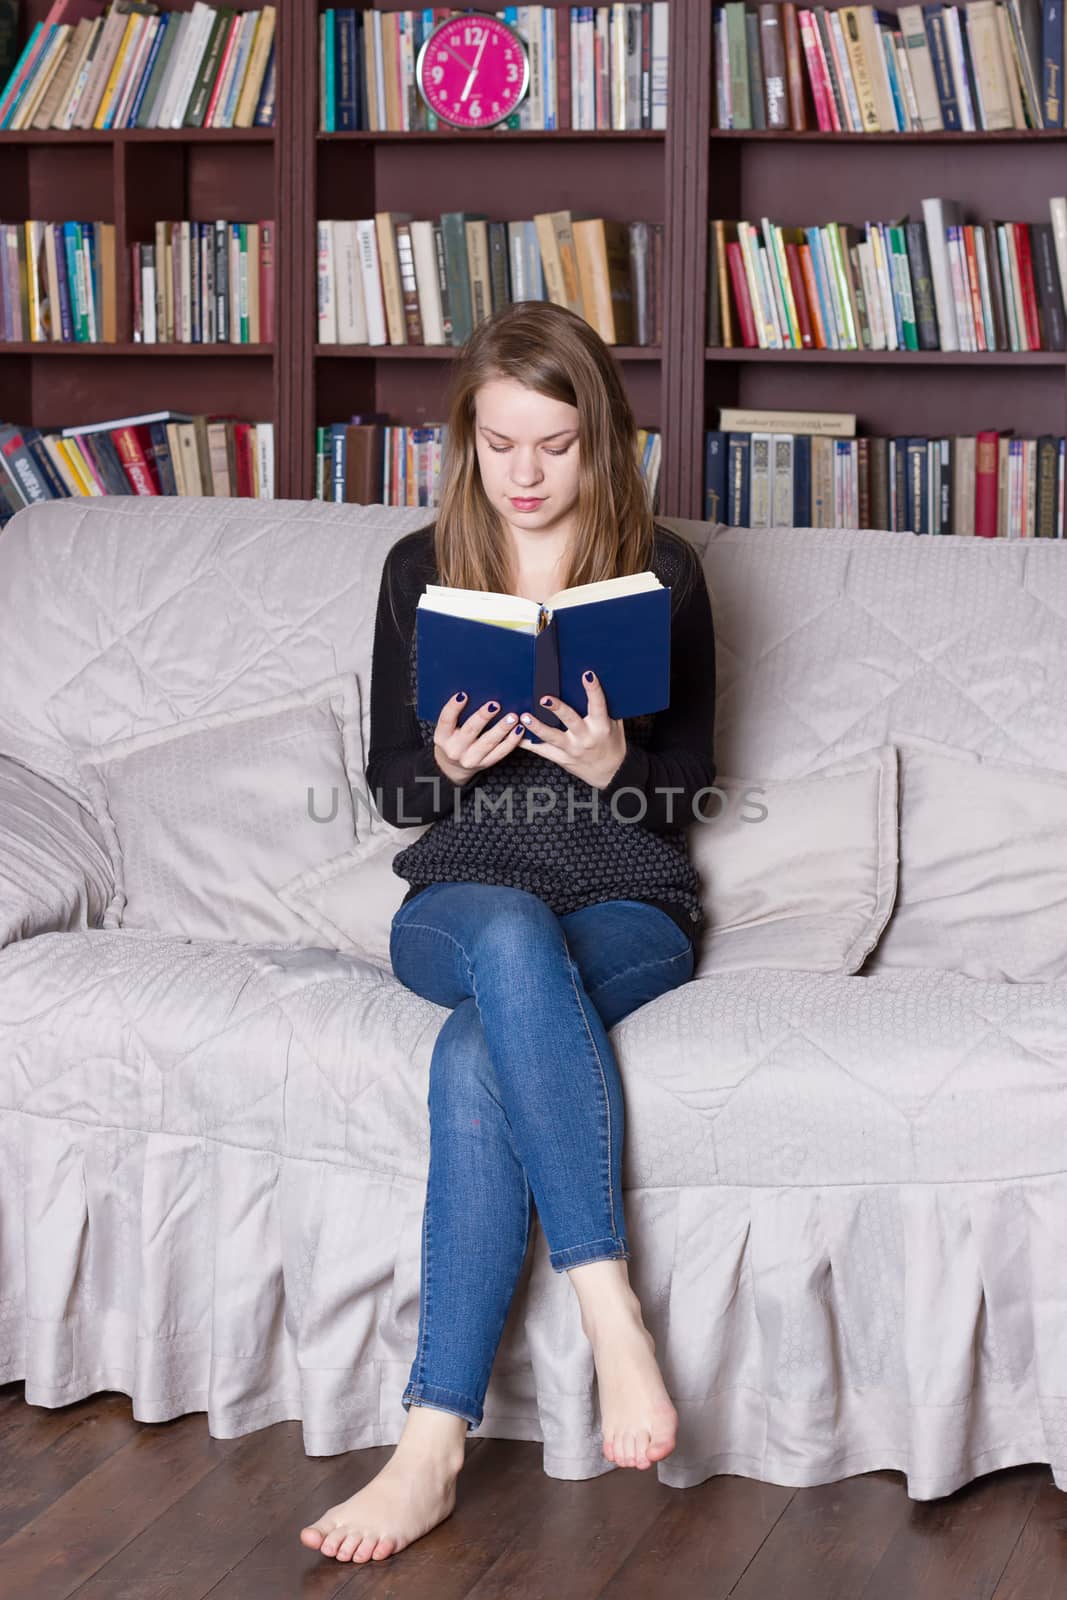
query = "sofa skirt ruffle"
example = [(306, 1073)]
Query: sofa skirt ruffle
[(805, 1334)]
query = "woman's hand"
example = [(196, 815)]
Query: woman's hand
[(459, 752), (592, 747)]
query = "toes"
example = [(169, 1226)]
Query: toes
[(348, 1546), (311, 1536), (384, 1547), (609, 1447), (366, 1547)]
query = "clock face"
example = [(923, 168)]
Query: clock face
[(473, 70)]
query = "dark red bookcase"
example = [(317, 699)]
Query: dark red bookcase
[(680, 177), (808, 178), (133, 178)]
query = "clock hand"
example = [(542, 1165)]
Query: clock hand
[(456, 57), (474, 68)]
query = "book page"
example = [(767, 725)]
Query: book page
[(606, 589), (483, 605)]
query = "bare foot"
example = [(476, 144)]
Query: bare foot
[(414, 1491), (638, 1422)]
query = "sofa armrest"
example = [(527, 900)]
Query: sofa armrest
[(55, 872)]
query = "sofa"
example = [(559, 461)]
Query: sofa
[(845, 1185)]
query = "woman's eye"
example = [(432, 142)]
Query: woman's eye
[(500, 448)]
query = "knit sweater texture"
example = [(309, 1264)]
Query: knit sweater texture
[(563, 839)]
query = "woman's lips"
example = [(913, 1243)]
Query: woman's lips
[(526, 505)]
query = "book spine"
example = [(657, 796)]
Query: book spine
[(1052, 63), (985, 486), (942, 65)]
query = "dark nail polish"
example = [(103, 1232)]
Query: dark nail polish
[(492, 706), (588, 677), (461, 695), (547, 700)]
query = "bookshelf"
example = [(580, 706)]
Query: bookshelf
[(681, 176), (132, 177)]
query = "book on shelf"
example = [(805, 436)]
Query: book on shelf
[(57, 282), (983, 66), (204, 283), (992, 485), (936, 284), (749, 419), (513, 650), (396, 279), (367, 461), (615, 75), (155, 453), (132, 64)]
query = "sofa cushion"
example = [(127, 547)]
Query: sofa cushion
[(205, 818), (349, 902), (799, 874), (983, 867), (807, 886)]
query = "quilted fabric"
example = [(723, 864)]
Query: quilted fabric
[(846, 1195), (205, 819)]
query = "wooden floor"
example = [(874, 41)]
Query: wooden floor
[(98, 1506)]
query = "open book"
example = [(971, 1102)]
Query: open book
[(506, 648)]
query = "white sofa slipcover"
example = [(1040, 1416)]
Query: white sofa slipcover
[(846, 1196)]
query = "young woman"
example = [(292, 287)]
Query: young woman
[(552, 896)]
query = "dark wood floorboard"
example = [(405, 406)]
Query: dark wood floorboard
[(97, 1506)]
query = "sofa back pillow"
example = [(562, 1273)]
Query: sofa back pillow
[(983, 867), (799, 874), (205, 818)]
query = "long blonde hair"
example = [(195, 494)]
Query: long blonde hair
[(558, 354)]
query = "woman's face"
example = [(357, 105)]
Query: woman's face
[(528, 455)]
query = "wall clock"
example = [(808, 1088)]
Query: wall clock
[(473, 70)]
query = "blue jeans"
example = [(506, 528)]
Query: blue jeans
[(525, 1101)]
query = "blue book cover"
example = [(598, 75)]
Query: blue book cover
[(149, 66), (264, 117), (346, 70), (714, 476), (66, 315), (944, 77), (1052, 63), (624, 640)]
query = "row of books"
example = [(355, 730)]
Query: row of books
[(618, 66), (367, 461), (157, 453), (931, 285), (132, 65), (57, 281), (803, 470), (392, 279), (977, 67), (205, 283)]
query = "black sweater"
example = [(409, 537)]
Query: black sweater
[(568, 863)]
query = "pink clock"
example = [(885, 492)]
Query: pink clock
[(473, 70)]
